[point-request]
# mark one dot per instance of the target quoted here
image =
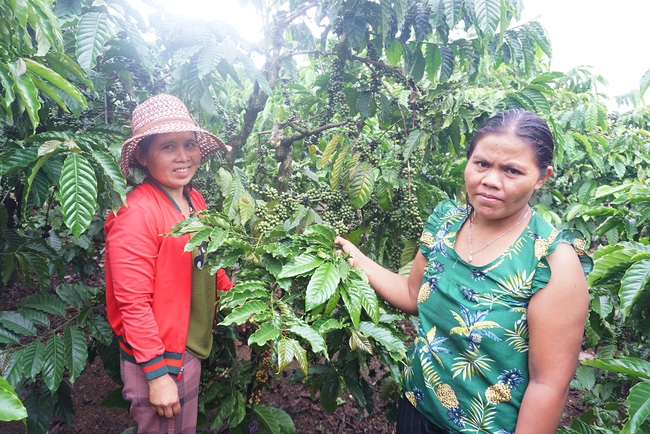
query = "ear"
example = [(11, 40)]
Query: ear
[(544, 177)]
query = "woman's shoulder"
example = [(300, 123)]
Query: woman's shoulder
[(547, 240)]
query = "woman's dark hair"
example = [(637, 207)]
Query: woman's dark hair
[(524, 124)]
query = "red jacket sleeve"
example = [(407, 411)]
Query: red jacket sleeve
[(223, 281)]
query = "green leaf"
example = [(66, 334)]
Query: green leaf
[(8, 337), (360, 342), (76, 351), (361, 185), (639, 411), (112, 176), (48, 303), (286, 351), (453, 11), (55, 79), (329, 392), (384, 337), (337, 167), (197, 239), (433, 57), (394, 52), (358, 282), (644, 83), (322, 285), (266, 332), (12, 408), (33, 359), (92, 33), (26, 91), (54, 363), (78, 193), (276, 420), (241, 314), (310, 335), (329, 151), (352, 302), (415, 140), (630, 366), (17, 323), (209, 58), (97, 326), (303, 264), (447, 67), (615, 260), (488, 15), (633, 285)]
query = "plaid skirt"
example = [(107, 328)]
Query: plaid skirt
[(136, 393)]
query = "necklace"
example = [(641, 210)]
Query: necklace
[(472, 252)]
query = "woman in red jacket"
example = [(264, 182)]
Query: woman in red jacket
[(160, 302)]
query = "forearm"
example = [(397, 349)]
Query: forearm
[(541, 409)]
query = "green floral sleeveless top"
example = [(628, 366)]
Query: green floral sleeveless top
[(468, 366)]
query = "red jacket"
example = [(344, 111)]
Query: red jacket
[(149, 280)]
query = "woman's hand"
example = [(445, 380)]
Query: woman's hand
[(163, 395), (355, 257)]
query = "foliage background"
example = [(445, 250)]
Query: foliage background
[(355, 129)]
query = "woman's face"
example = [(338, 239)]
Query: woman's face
[(502, 174), (171, 159)]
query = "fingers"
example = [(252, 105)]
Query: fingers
[(168, 411)]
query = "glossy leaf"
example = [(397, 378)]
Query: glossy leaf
[(17, 323), (630, 366), (54, 363), (310, 335), (47, 74), (241, 314), (303, 264), (266, 332), (48, 303), (78, 193), (639, 411), (12, 408), (360, 342), (384, 337), (358, 282), (76, 351), (322, 285), (337, 167), (92, 33), (361, 185), (488, 16), (634, 285), (112, 175), (26, 92), (329, 150), (274, 419)]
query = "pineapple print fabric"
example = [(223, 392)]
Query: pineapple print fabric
[(468, 366)]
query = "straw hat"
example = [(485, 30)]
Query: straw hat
[(165, 114)]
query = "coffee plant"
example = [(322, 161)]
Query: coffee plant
[(356, 129)]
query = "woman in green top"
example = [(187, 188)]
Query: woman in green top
[(501, 296)]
